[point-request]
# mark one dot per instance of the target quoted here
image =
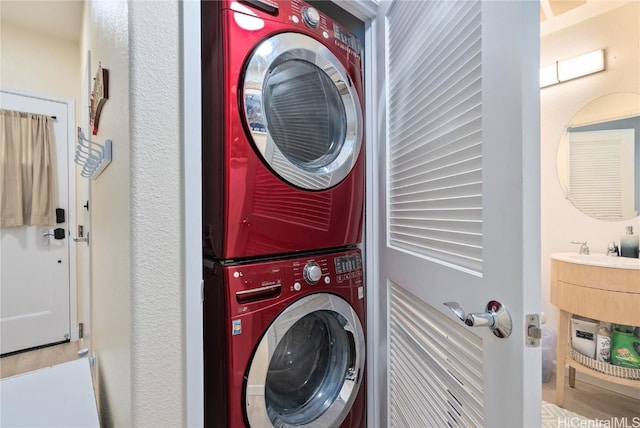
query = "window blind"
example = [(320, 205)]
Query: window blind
[(601, 173)]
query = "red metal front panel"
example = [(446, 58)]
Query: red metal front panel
[(244, 324), (247, 210)]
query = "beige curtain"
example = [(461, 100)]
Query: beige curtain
[(27, 175)]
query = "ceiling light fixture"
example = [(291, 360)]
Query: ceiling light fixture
[(573, 68)]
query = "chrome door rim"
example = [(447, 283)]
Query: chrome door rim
[(294, 46), (256, 408)]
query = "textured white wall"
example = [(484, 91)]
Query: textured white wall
[(157, 238), (137, 240), (106, 34), (39, 63), (617, 32)]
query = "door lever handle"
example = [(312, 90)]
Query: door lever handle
[(473, 319), (496, 317), (58, 233), (457, 309)]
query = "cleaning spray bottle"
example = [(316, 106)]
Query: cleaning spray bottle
[(629, 244)]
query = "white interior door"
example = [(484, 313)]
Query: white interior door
[(36, 292), (459, 212)]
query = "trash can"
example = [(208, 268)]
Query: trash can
[(548, 353)]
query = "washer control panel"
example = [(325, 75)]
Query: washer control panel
[(312, 273), (253, 285), (334, 270)]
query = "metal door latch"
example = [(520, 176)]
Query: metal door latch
[(496, 317), (81, 237), (533, 331)]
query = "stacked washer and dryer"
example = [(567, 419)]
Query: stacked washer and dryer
[(283, 195)]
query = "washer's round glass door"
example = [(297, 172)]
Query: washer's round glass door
[(302, 111), (308, 366)]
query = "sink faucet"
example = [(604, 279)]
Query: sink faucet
[(612, 249), (584, 249)]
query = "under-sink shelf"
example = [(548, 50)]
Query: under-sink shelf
[(609, 372)]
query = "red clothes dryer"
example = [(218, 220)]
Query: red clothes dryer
[(283, 152), (284, 342)]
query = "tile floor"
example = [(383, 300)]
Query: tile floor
[(587, 400), (38, 359)]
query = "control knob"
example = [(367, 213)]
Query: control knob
[(312, 273), (311, 17)]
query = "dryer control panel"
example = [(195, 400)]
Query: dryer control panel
[(303, 15), (331, 31)]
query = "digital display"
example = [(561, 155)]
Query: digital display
[(348, 263), (346, 38)]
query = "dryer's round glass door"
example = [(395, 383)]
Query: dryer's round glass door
[(302, 111), (314, 367), (305, 114)]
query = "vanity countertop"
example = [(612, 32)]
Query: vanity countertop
[(601, 260)]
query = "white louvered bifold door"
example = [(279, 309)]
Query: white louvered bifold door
[(434, 356), (458, 214)]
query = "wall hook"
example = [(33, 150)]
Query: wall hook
[(91, 156)]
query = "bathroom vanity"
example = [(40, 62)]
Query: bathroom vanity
[(594, 286)]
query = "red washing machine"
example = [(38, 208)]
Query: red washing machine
[(284, 342), (283, 152)]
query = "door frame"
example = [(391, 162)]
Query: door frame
[(192, 215), (71, 210), (376, 306), (364, 10)]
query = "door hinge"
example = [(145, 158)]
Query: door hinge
[(80, 330), (533, 331)]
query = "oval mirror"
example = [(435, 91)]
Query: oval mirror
[(599, 158)]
